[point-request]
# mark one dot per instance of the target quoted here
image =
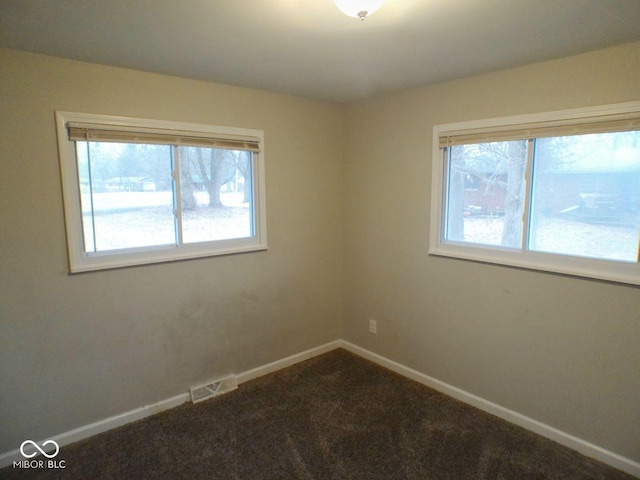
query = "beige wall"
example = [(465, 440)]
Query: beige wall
[(564, 351), (348, 195), (77, 349)]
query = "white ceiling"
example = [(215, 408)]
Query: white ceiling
[(308, 47)]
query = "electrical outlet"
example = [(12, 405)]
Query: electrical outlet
[(373, 327)]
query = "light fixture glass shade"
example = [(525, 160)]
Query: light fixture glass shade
[(358, 8)]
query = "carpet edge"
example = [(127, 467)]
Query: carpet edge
[(575, 443)]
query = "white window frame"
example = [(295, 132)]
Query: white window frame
[(622, 272), (80, 261)]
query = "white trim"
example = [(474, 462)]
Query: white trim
[(586, 448), (79, 261), (101, 426), (288, 361), (106, 424), (582, 446), (602, 269), (571, 116)]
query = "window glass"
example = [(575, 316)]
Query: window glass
[(485, 194), (586, 196), (139, 191), (215, 189), (126, 195), (556, 191)]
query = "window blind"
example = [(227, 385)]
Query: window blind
[(561, 128), (88, 132)]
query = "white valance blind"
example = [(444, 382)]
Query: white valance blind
[(561, 128), (88, 132)]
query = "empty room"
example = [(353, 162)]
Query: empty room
[(320, 239)]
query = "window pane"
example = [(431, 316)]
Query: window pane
[(485, 193), (216, 194), (126, 195), (586, 196)]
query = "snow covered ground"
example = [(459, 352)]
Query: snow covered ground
[(136, 219), (564, 236)]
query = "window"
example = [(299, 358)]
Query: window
[(145, 191), (558, 192)]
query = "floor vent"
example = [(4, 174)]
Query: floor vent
[(213, 389)]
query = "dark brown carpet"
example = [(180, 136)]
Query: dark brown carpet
[(336, 416)]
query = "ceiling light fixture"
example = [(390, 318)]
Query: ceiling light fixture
[(358, 8)]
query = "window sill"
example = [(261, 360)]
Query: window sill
[(618, 272), (109, 260)]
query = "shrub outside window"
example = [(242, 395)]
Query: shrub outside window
[(558, 192), (142, 191)]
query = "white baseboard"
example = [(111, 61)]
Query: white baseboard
[(588, 449), (7, 459), (101, 426), (288, 361), (617, 461)]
